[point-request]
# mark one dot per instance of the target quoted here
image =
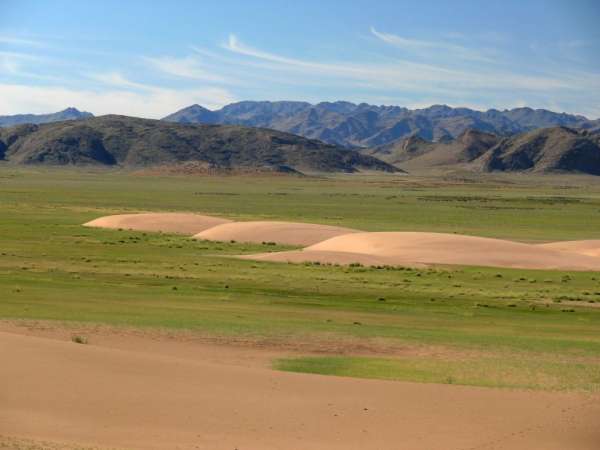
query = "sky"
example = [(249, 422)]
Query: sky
[(151, 58)]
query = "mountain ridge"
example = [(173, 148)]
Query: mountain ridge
[(69, 113), (133, 142), (363, 126), (554, 149)]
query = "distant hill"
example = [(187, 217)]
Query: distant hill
[(67, 114), (593, 126), (363, 125), (416, 152), (134, 142), (544, 150), (192, 114)]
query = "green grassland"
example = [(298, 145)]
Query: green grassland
[(468, 325)]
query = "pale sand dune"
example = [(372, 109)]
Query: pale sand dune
[(97, 396), (589, 247), (180, 223), (291, 233), (412, 248)]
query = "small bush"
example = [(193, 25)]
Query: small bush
[(79, 339)]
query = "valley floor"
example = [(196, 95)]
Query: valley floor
[(189, 347)]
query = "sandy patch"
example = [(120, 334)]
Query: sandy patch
[(65, 392), (16, 443), (412, 248), (180, 223), (290, 233), (588, 247), (237, 350)]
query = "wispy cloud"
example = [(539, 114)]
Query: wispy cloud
[(431, 48), (403, 73), (188, 67), (18, 64), (235, 45), (573, 44), (9, 64), (117, 79), (15, 40)]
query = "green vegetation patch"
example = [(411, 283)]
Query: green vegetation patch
[(499, 372)]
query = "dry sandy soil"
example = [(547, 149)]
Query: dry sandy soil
[(410, 249), (180, 223), (150, 394), (290, 233)]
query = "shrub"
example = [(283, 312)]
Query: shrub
[(79, 339)]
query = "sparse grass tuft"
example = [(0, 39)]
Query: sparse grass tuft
[(79, 339)]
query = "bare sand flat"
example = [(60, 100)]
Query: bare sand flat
[(416, 248), (290, 233), (587, 247), (180, 223), (96, 396)]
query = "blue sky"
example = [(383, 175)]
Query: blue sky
[(150, 58)]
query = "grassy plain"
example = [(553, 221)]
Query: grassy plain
[(478, 326)]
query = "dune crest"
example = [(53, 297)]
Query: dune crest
[(417, 249), (586, 247), (179, 223), (290, 233)]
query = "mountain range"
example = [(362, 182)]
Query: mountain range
[(354, 125), (391, 139), (350, 125), (67, 114), (133, 142)]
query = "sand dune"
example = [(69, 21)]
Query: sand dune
[(332, 244), (180, 223), (98, 396), (589, 247), (412, 248), (291, 233)]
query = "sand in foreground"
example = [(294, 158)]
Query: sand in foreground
[(61, 391)]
